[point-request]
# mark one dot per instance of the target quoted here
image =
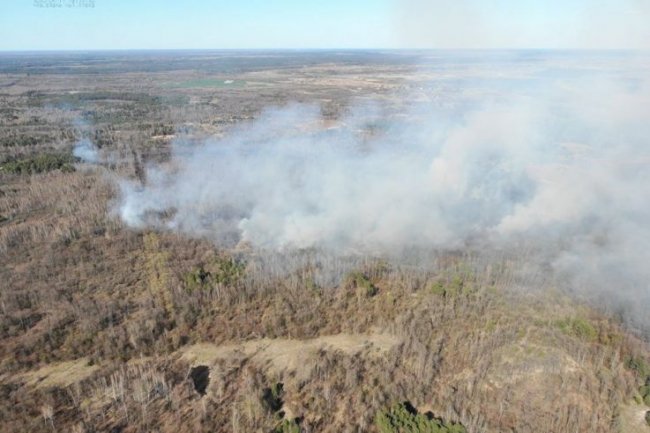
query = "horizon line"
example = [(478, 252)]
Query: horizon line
[(303, 49)]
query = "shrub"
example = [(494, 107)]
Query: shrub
[(311, 286), (438, 289), (644, 395), (578, 327), (224, 271), (454, 284), (584, 329), (195, 279), (228, 271), (362, 283), (403, 418), (454, 288), (272, 397), (640, 366), (41, 163), (287, 426)]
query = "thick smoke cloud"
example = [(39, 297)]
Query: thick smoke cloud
[(284, 182), (559, 167)]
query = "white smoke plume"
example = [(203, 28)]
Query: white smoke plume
[(85, 150), (561, 166)]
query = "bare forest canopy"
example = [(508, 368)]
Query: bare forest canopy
[(324, 241)]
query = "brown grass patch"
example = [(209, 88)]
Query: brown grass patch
[(280, 355), (59, 374)]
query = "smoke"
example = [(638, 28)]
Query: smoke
[(499, 24), (285, 182), (85, 150), (556, 166)]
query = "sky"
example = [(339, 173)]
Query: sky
[(298, 24)]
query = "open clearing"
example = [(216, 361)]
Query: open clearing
[(633, 418), (278, 355), (288, 355), (59, 374)]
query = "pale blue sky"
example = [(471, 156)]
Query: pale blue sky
[(159, 24)]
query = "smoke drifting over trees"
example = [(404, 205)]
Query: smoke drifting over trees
[(556, 166)]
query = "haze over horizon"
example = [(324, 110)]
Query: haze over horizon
[(290, 24)]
